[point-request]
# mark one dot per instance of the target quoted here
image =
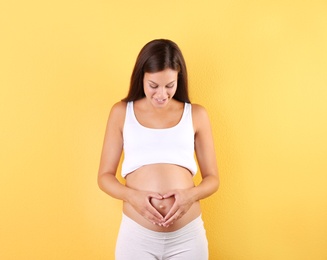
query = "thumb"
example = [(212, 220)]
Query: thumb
[(168, 194), (156, 196)]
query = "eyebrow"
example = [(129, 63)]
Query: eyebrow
[(158, 84)]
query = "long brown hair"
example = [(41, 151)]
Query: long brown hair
[(156, 56)]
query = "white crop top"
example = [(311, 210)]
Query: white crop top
[(144, 146)]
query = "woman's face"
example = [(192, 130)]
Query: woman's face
[(160, 87)]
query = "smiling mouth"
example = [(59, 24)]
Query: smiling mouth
[(160, 100)]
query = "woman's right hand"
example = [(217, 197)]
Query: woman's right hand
[(141, 202)]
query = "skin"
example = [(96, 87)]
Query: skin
[(160, 197)]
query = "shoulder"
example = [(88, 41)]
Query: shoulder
[(119, 108), (198, 111), (200, 116), (117, 114)]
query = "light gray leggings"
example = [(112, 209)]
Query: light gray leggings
[(137, 242)]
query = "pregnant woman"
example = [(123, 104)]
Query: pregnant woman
[(159, 131)]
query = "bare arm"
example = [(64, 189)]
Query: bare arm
[(110, 157), (111, 153), (206, 156)]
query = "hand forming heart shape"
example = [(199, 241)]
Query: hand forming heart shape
[(163, 205)]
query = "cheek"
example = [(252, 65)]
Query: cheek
[(148, 91), (171, 92)]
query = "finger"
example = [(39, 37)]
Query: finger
[(159, 217), (168, 194), (154, 214), (172, 211), (154, 220), (171, 220), (155, 195)]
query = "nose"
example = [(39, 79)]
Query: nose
[(161, 92)]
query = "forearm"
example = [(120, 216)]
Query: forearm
[(184, 199), (208, 186), (110, 185), (140, 200)]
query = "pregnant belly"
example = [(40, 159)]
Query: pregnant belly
[(161, 178), (163, 206)]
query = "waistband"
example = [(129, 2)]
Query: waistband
[(194, 225)]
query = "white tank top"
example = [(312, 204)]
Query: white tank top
[(144, 146)]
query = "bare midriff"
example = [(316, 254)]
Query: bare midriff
[(161, 178)]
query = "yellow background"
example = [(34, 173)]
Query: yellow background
[(260, 69)]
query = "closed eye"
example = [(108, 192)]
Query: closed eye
[(170, 86)]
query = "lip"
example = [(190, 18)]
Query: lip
[(160, 101)]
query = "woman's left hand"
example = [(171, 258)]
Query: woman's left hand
[(183, 201)]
